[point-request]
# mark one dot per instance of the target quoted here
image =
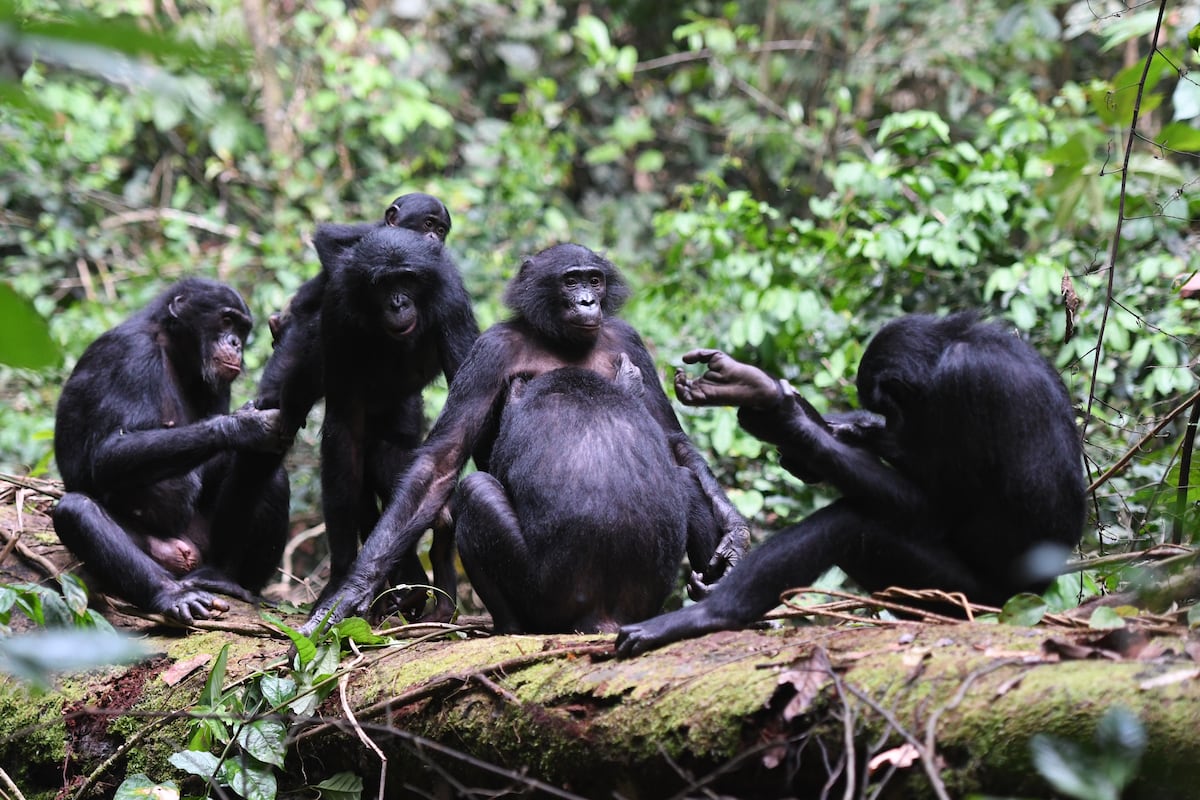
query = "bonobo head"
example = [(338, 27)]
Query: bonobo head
[(899, 368), (384, 282), (206, 324), (565, 291), (418, 212)]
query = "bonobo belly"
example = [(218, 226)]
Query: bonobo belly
[(167, 508)]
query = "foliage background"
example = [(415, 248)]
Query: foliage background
[(777, 178)]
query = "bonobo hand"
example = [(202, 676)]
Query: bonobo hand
[(728, 382), (259, 429), (184, 603), (351, 600), (730, 549)]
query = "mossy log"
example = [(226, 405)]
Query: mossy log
[(743, 713), (797, 711)]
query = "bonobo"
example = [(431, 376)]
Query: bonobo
[(563, 302), (964, 473), (580, 474), (395, 316), (171, 498), (294, 378)]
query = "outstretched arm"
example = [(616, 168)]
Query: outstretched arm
[(727, 382)]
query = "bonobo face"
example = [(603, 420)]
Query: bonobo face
[(582, 293), (232, 329), (398, 302), (422, 213)]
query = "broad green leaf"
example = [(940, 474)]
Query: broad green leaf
[(139, 787), (1024, 609), (1105, 618), (342, 786), (265, 739), (24, 334)]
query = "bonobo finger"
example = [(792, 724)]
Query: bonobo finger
[(697, 588), (702, 356)]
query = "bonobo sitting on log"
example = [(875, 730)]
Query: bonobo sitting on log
[(964, 473)]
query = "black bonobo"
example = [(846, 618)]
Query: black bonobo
[(563, 301), (294, 378), (394, 316), (964, 473), (170, 497), (581, 521)]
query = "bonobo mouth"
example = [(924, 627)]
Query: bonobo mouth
[(401, 332), (228, 370)]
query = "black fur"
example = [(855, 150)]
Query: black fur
[(395, 316), (169, 496), (973, 484), (562, 301)]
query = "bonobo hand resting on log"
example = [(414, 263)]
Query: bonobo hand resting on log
[(169, 496), (973, 482), (564, 301)]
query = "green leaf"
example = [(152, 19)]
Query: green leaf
[(33, 656), (306, 649), (211, 695), (1194, 38), (250, 779), (1193, 617), (74, 593), (1105, 618), (139, 786), (1024, 609), (265, 739), (342, 786), (277, 690), (24, 334), (1065, 765), (359, 630), (196, 762)]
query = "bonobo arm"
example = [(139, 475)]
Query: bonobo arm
[(814, 452), (427, 484), (735, 537), (137, 458)]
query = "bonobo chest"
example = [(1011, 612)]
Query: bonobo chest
[(535, 358)]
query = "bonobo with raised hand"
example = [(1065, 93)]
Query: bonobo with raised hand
[(973, 482), (171, 498)]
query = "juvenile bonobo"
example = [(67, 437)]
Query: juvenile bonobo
[(169, 496), (973, 482), (294, 377), (395, 316), (563, 302), (581, 521)]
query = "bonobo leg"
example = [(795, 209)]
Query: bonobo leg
[(493, 550), (108, 550), (876, 552), (249, 522)]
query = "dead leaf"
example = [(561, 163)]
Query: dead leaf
[(181, 669), (806, 678), (903, 756)]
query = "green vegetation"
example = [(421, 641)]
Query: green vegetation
[(776, 178)]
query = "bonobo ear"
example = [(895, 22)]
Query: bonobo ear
[(175, 307), (392, 217)]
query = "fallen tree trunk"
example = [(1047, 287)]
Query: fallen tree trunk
[(747, 713), (910, 709)]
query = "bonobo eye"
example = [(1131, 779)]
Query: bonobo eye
[(570, 281), (428, 224), (597, 282)]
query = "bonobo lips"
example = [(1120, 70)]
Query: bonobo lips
[(228, 370), (400, 333)]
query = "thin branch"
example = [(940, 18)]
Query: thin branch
[(1116, 239)]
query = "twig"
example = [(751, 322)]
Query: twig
[(41, 562), (175, 215), (12, 787), (1185, 474), (1124, 460), (343, 681), (1115, 246)]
